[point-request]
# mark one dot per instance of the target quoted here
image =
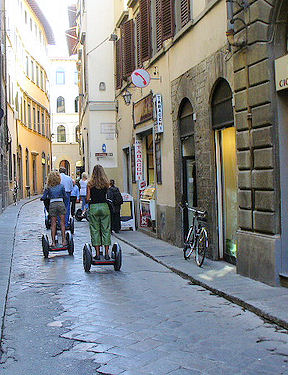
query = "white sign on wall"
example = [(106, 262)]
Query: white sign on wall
[(141, 78), (158, 113), (281, 73), (138, 160)]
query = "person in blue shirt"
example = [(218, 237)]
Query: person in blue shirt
[(74, 197), (68, 185), (55, 192)]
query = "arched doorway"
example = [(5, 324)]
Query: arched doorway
[(186, 131), (66, 165), (226, 170)]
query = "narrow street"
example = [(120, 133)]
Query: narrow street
[(141, 320)]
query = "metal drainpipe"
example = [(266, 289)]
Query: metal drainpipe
[(229, 6)]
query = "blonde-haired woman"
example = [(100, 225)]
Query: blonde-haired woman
[(55, 192), (99, 213)]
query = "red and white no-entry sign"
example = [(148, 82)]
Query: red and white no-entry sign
[(141, 78)]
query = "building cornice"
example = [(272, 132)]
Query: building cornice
[(124, 16)]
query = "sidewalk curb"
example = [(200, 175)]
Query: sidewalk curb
[(20, 205), (238, 301)]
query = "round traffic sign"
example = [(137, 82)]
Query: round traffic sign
[(141, 78)]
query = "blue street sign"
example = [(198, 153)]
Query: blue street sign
[(103, 147)]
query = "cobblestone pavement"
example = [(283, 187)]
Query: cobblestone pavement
[(141, 320)]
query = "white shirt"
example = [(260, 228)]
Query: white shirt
[(67, 182), (83, 187)]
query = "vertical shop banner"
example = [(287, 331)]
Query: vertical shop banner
[(138, 160), (158, 113)]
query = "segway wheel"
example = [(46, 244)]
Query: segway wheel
[(45, 245), (117, 255), (87, 258), (70, 241), (71, 224), (78, 215)]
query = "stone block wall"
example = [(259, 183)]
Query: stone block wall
[(258, 174), (197, 85)]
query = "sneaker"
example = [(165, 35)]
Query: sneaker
[(107, 257)]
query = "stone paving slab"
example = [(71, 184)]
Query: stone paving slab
[(8, 223), (219, 277)]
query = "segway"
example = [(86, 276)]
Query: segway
[(116, 258), (80, 217), (47, 248)]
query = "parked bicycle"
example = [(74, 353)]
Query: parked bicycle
[(197, 238)]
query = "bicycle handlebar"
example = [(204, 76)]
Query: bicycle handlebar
[(194, 210)]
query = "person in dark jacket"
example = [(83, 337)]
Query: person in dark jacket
[(115, 196)]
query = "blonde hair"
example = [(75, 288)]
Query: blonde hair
[(54, 179), (98, 178), (84, 175)]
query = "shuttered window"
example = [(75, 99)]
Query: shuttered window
[(119, 63), (145, 29), (168, 21), (164, 21), (158, 25), (185, 12), (128, 48), (138, 42)]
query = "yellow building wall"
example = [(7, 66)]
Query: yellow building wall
[(36, 144)]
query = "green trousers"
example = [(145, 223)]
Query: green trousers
[(100, 224)]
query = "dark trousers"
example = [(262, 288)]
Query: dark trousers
[(73, 205), (115, 221), (67, 205)]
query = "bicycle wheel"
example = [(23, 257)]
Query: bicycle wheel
[(187, 251), (201, 247)]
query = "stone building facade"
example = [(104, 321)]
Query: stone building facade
[(3, 118), (260, 113), (224, 146), (197, 85)]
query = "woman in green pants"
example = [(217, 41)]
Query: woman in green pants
[(99, 213)]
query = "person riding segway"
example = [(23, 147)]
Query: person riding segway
[(99, 223)]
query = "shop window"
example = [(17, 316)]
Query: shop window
[(60, 104), (158, 162), (150, 160), (61, 133)]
